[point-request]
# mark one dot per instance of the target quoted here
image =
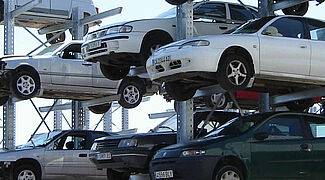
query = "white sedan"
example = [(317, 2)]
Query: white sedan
[(285, 49), (59, 71)]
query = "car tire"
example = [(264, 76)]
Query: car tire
[(176, 2), (115, 175), (299, 9), (178, 91), (27, 171), (24, 85), (61, 38), (300, 105), (211, 101), (114, 73), (229, 172), (3, 100), (2, 8), (100, 109), (152, 43), (131, 91), (234, 73)]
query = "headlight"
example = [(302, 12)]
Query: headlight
[(128, 143), (190, 153), (119, 29), (94, 147), (195, 43)]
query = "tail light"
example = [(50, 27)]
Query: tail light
[(97, 10)]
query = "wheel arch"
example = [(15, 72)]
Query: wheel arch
[(239, 51), (29, 69), (155, 32), (231, 160), (135, 78), (31, 161)]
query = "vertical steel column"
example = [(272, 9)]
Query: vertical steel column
[(77, 115), (9, 124), (264, 8), (125, 119), (264, 102), (185, 108), (9, 109), (86, 118), (57, 118), (107, 121)]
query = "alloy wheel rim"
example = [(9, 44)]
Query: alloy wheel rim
[(25, 85), (26, 175), (131, 94), (216, 97), (236, 72), (230, 175)]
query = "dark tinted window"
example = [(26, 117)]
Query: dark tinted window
[(211, 9), (239, 13), (283, 127), (316, 29), (289, 27)]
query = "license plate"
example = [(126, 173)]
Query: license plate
[(161, 60), (104, 156), (164, 174), (94, 44)]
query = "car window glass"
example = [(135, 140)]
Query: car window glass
[(72, 52), (216, 10), (317, 127), (289, 27), (71, 142), (282, 127), (316, 30), (239, 13), (169, 125)]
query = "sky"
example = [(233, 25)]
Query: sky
[(27, 118)]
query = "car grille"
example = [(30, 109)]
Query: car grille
[(108, 144), (160, 68), (175, 64), (102, 48)]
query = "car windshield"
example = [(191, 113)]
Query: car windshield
[(40, 140), (168, 125), (49, 50), (237, 126), (252, 26), (168, 14)]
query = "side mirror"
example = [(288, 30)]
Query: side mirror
[(261, 136)]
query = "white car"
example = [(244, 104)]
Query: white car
[(59, 71), (54, 155), (52, 12), (279, 52), (121, 45)]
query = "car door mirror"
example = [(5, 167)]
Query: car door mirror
[(261, 136)]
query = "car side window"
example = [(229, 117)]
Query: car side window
[(71, 142), (239, 13), (316, 30), (289, 27), (211, 10), (282, 127), (317, 127), (72, 52)]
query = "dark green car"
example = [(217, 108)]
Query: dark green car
[(278, 145)]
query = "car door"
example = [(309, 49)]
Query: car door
[(286, 50), (210, 18), (68, 68), (100, 81), (317, 35), (285, 153)]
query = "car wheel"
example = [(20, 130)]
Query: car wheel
[(131, 91), (26, 171), (115, 175), (151, 43), (179, 91), (300, 105), (229, 172), (114, 73), (234, 73), (3, 100), (176, 2), (299, 9), (100, 109), (61, 38), (213, 100), (24, 85)]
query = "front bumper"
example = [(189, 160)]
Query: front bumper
[(172, 60), (194, 168), (135, 160)]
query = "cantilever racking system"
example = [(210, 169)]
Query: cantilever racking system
[(79, 117)]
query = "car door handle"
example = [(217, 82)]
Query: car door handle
[(223, 27), (83, 155), (303, 46), (86, 64), (305, 147)]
